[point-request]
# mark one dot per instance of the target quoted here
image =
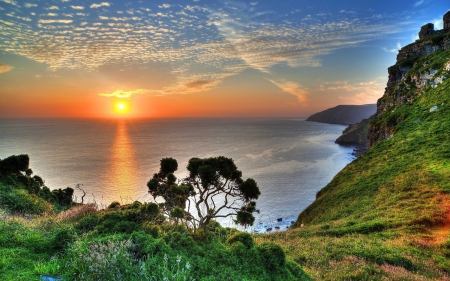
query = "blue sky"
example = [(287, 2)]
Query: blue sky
[(243, 58)]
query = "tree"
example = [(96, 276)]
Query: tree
[(214, 188), (14, 165)]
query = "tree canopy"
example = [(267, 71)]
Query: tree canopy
[(213, 189)]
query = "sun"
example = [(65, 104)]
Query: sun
[(121, 106)]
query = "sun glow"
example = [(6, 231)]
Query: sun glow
[(121, 106)]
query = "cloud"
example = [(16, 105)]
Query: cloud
[(103, 4), (29, 5), (395, 50), (357, 92), (418, 3), (12, 2), (438, 23), (55, 21), (5, 68), (124, 94), (198, 84), (77, 7), (292, 88)]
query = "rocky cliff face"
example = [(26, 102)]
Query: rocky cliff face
[(411, 76)]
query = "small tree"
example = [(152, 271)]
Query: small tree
[(214, 187)]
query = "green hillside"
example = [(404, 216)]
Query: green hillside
[(403, 180), (386, 216)]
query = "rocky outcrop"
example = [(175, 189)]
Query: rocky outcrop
[(426, 30), (408, 78), (447, 22), (430, 41)]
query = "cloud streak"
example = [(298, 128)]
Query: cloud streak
[(292, 88), (5, 68), (123, 93), (356, 93)]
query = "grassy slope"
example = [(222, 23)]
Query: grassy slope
[(387, 214)]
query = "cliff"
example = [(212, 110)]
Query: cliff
[(344, 114), (386, 216), (420, 66)]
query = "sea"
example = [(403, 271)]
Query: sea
[(113, 159)]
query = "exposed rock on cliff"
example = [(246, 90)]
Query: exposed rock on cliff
[(344, 114), (411, 76)]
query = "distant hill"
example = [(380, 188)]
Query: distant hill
[(344, 114)]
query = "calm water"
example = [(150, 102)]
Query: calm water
[(290, 159)]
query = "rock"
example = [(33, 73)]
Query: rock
[(434, 108), (447, 22), (426, 30)]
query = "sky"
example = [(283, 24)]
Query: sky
[(200, 58)]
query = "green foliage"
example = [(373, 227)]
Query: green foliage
[(14, 164), (113, 205), (272, 255), (19, 200), (242, 237)]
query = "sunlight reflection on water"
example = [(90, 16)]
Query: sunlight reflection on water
[(122, 164)]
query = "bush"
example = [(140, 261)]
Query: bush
[(14, 164), (62, 238), (22, 202), (272, 256), (87, 223), (114, 204), (242, 237)]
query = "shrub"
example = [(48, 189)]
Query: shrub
[(272, 256), (62, 238), (20, 201), (87, 223), (114, 204), (242, 237)]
